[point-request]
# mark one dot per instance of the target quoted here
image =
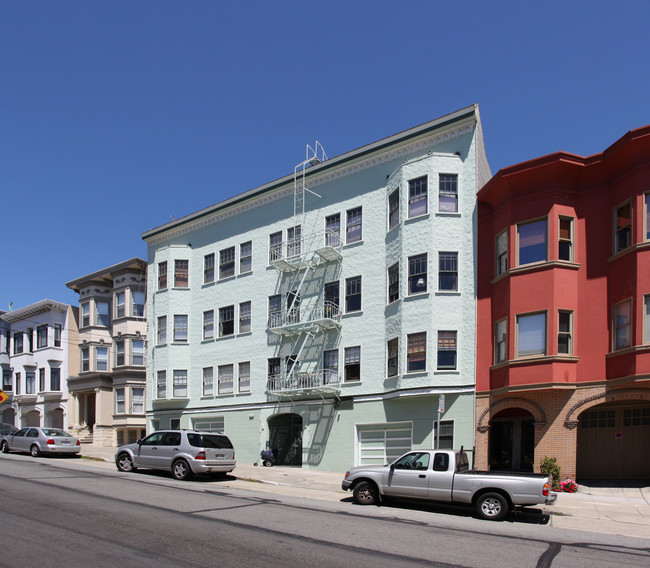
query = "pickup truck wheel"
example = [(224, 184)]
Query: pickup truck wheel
[(365, 493), (492, 506)]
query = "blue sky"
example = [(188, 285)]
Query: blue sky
[(116, 115)]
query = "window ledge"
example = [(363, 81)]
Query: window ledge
[(535, 360), (448, 293), (208, 340), (227, 278), (207, 284), (243, 274), (455, 214), (410, 374), (352, 314), (628, 350), (347, 384), (412, 297), (180, 288), (446, 372), (410, 220), (244, 333), (224, 337), (534, 266), (627, 250), (180, 342), (354, 244)]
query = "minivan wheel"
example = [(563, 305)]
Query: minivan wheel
[(181, 470), (34, 451), (125, 463)]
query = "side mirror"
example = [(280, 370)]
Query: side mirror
[(139, 442)]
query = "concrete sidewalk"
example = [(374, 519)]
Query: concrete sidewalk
[(622, 509)]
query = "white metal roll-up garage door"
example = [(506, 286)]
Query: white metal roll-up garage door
[(378, 444)]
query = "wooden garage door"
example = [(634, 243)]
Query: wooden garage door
[(614, 443)]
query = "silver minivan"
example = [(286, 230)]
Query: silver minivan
[(183, 452)]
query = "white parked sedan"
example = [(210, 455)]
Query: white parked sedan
[(40, 441)]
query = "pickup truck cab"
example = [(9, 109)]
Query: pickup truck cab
[(445, 476)]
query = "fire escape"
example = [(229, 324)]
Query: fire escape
[(304, 312)]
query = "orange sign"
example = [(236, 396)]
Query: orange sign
[(3, 396)]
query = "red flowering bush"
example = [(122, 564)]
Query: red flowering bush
[(568, 486)]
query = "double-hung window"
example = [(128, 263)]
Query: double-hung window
[(119, 401), (208, 268), (393, 283), (226, 321), (138, 303), (622, 325), (101, 359), (622, 227), (180, 383), (353, 294), (333, 230), (531, 334), (246, 257), (137, 400), (502, 252), (244, 317), (447, 349), (208, 324), (565, 239), (417, 274), (7, 383), (392, 367), (180, 328), (244, 376), (41, 336), (225, 379), (103, 313), (161, 384), (181, 273), (30, 382), (119, 353), (162, 275), (41, 379), (120, 304), (58, 329), (161, 335), (227, 263), (85, 314), (448, 271), (275, 311), (352, 363), (330, 366), (500, 341), (532, 242), (353, 228), (208, 381), (55, 379), (331, 307), (393, 209), (448, 193), (294, 241), (275, 247), (18, 342), (565, 332), (85, 359), (416, 357), (418, 190), (137, 352)]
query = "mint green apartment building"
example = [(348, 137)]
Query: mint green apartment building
[(328, 315)]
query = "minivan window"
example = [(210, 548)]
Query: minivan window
[(209, 441)]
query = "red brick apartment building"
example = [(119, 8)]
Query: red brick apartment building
[(563, 352)]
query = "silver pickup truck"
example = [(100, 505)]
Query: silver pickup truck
[(444, 475)]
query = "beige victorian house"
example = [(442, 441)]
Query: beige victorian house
[(107, 396)]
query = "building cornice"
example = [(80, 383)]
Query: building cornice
[(395, 147)]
